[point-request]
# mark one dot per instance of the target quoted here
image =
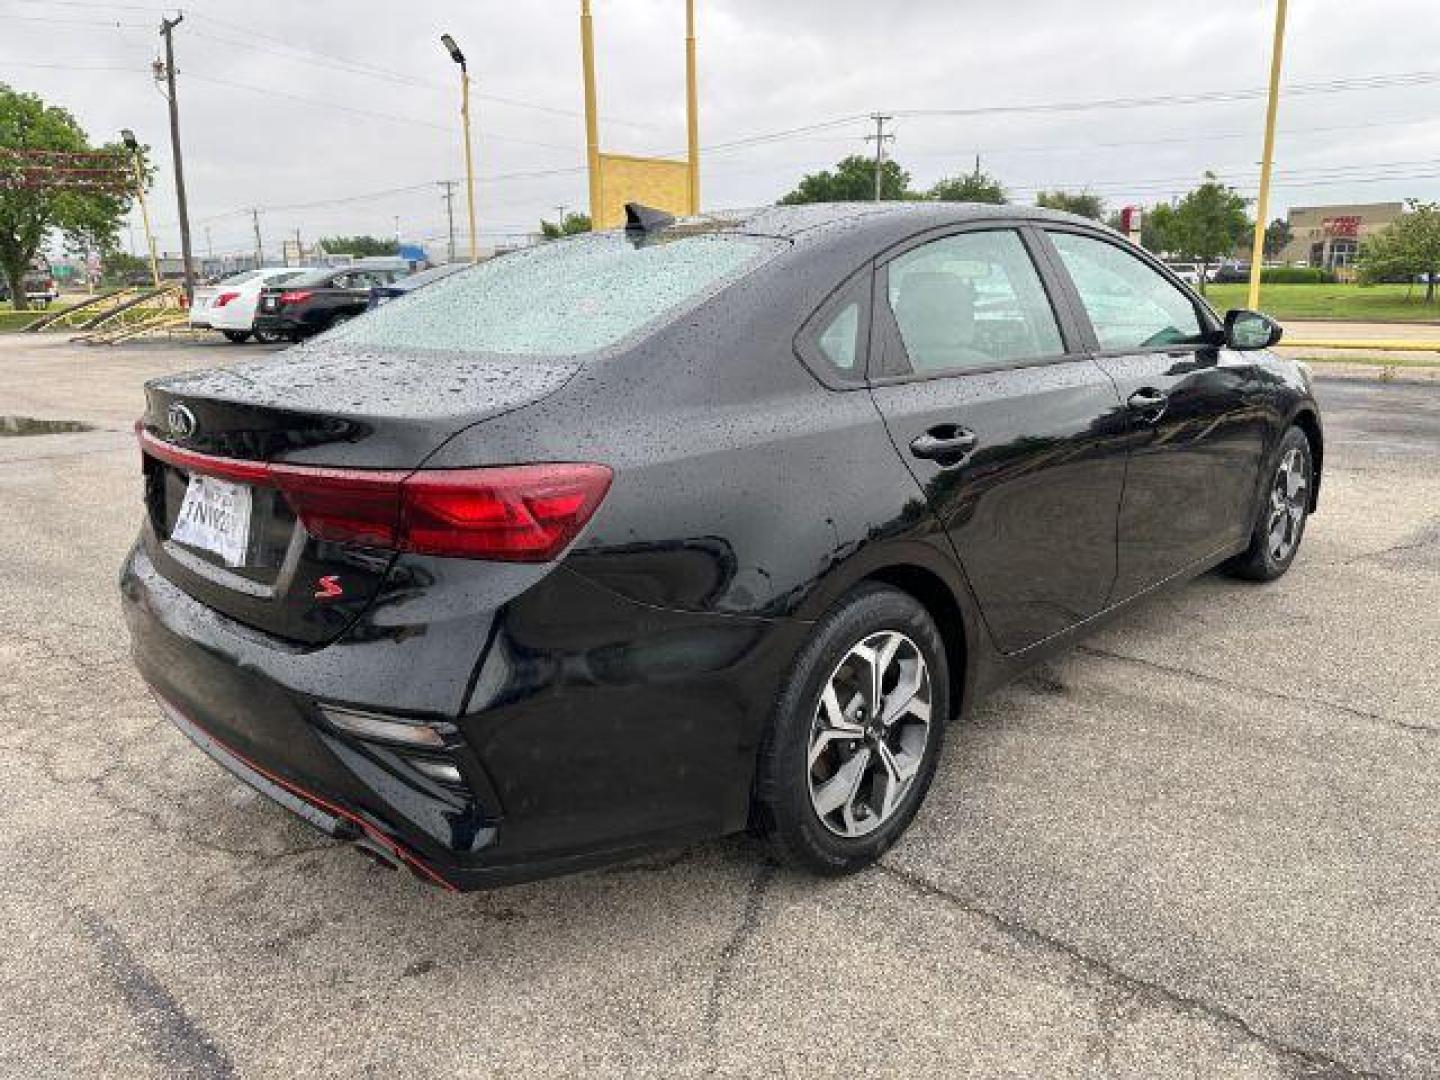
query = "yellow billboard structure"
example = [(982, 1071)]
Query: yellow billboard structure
[(616, 179)]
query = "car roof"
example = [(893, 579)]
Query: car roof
[(819, 221)]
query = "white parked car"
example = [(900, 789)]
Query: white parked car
[(230, 306), (1186, 272)]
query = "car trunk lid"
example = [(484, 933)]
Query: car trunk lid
[(219, 524)]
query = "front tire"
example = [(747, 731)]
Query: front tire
[(1281, 522), (238, 337), (856, 734)]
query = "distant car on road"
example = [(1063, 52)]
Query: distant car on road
[(1231, 273), (39, 284), (229, 306), (313, 302), (382, 294), (1186, 272)]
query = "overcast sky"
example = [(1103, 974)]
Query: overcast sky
[(276, 114)]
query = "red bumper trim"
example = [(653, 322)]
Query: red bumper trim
[(417, 865)]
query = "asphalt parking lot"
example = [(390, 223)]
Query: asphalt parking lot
[(1205, 844)]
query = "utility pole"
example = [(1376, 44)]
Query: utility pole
[(449, 197), (259, 247), (299, 248), (167, 30), (209, 247), (880, 138), (560, 218)]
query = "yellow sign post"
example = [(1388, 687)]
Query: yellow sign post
[(1262, 204), (615, 179)]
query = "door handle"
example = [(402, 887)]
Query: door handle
[(1148, 402), (945, 443)]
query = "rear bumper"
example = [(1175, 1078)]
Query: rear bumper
[(278, 324), (620, 729)]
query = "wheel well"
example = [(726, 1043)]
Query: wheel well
[(1307, 423), (940, 603)]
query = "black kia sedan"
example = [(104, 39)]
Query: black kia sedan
[(658, 534), (315, 301)]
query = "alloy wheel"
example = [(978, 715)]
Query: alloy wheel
[(869, 734), (1289, 500)]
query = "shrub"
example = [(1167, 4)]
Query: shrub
[(1297, 275)]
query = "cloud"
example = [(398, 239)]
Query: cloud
[(379, 108)]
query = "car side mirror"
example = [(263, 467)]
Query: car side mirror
[(1246, 330)]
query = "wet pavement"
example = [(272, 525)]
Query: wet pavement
[(1202, 844)]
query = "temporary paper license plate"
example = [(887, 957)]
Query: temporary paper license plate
[(215, 516)]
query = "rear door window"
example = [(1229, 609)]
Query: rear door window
[(972, 300), (564, 298)]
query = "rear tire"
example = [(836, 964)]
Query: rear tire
[(856, 734), (1280, 525), (239, 337)]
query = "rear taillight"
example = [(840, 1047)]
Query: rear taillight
[(225, 298), (510, 513), (523, 513), (295, 296)]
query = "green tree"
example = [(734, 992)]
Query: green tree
[(1157, 228), (976, 187), (1406, 248), (1086, 205), (28, 215), (359, 246), (573, 223), (853, 180), (1208, 223), (120, 268), (1278, 235)]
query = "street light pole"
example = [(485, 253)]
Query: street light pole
[(1262, 204), (132, 144), (459, 58)]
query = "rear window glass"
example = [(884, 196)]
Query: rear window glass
[(560, 299), (313, 277), (240, 279)]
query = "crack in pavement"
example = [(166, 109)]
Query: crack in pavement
[(1131, 987), (729, 953), (1230, 684), (181, 1045)]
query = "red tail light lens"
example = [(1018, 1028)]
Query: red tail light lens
[(521, 513), (295, 296), (225, 298), (509, 513)]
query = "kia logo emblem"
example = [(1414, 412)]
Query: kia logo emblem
[(181, 420)]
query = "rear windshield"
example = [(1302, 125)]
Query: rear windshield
[(563, 298), (240, 279), (313, 277)]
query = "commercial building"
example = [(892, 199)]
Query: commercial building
[(1330, 236)]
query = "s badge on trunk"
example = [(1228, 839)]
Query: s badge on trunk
[(181, 420)]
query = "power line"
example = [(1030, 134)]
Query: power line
[(360, 67), (1209, 97)]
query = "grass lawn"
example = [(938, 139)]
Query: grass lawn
[(17, 320), (1371, 303)]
